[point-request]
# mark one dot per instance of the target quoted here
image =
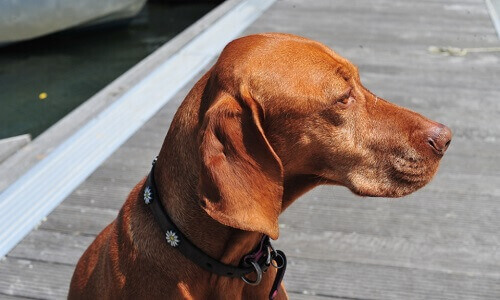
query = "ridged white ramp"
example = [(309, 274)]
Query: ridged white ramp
[(35, 194)]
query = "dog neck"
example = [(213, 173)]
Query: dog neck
[(181, 202), (177, 175)]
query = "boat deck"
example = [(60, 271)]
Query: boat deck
[(441, 242)]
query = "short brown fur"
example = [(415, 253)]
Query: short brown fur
[(276, 116)]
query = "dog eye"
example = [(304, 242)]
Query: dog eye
[(344, 100)]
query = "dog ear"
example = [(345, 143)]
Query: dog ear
[(241, 182)]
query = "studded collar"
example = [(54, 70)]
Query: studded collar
[(258, 261)]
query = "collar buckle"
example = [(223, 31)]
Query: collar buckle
[(258, 271)]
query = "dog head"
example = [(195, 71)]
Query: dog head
[(282, 107)]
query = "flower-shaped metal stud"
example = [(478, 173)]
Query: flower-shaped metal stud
[(172, 238), (148, 195)]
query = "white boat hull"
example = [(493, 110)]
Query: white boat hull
[(27, 19)]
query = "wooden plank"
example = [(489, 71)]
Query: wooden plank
[(368, 281), (11, 297), (53, 247), (79, 219), (406, 32), (444, 9), (458, 163), (34, 279), (374, 23), (419, 217), (304, 295), (100, 195), (432, 81), (377, 38), (407, 252), (392, 61), (472, 185), (423, 14), (132, 158)]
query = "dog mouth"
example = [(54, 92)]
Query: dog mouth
[(409, 170), (392, 175), (408, 174), (400, 176)]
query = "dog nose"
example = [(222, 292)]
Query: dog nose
[(439, 138)]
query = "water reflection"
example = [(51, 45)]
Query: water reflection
[(44, 79)]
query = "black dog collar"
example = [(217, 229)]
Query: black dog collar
[(257, 261)]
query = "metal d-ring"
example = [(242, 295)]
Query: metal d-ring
[(274, 263), (258, 271)]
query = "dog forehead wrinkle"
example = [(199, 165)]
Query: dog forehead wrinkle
[(312, 83)]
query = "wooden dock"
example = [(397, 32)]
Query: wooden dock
[(442, 242)]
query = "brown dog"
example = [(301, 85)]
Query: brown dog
[(274, 117)]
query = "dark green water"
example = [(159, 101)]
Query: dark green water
[(70, 67)]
